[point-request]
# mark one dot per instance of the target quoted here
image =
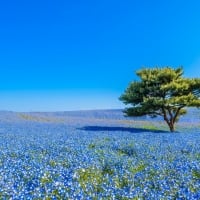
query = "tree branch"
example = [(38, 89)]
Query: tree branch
[(165, 115), (170, 114), (177, 112)]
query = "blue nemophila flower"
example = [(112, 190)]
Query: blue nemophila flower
[(88, 158)]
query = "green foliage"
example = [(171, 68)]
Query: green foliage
[(91, 146), (118, 197), (52, 163), (150, 127), (162, 91), (138, 168), (90, 176), (107, 169), (46, 178), (196, 174), (127, 151), (198, 156), (121, 181)]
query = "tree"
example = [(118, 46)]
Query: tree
[(162, 92)]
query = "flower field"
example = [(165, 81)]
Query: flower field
[(98, 155)]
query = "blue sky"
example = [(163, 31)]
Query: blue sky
[(72, 55)]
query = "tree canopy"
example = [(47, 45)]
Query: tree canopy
[(162, 92)]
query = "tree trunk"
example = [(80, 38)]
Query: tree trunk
[(171, 127), (170, 122)]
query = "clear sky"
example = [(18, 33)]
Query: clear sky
[(81, 54)]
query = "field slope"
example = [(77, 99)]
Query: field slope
[(98, 154)]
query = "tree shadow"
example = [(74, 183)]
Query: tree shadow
[(121, 129)]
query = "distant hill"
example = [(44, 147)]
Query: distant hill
[(116, 114)]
